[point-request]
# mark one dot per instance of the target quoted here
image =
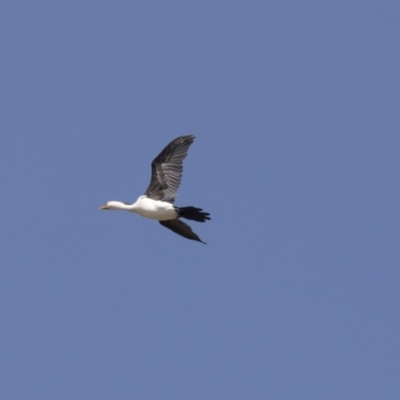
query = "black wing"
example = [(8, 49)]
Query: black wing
[(166, 170), (179, 227)]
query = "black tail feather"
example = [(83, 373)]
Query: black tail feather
[(193, 214)]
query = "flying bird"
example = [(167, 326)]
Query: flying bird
[(157, 202)]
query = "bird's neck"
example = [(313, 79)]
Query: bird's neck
[(118, 205)]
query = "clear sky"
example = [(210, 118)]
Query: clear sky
[(296, 111)]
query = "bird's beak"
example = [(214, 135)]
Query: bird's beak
[(105, 207)]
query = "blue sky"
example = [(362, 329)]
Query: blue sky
[(295, 106)]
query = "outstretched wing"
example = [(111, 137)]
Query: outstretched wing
[(179, 227), (166, 170)]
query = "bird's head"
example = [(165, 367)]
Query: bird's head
[(110, 205)]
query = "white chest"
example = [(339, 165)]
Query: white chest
[(154, 209)]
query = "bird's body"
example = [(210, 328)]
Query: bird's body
[(155, 209), (157, 202)]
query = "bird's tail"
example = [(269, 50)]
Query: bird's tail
[(193, 213)]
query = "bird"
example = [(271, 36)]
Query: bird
[(158, 200)]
